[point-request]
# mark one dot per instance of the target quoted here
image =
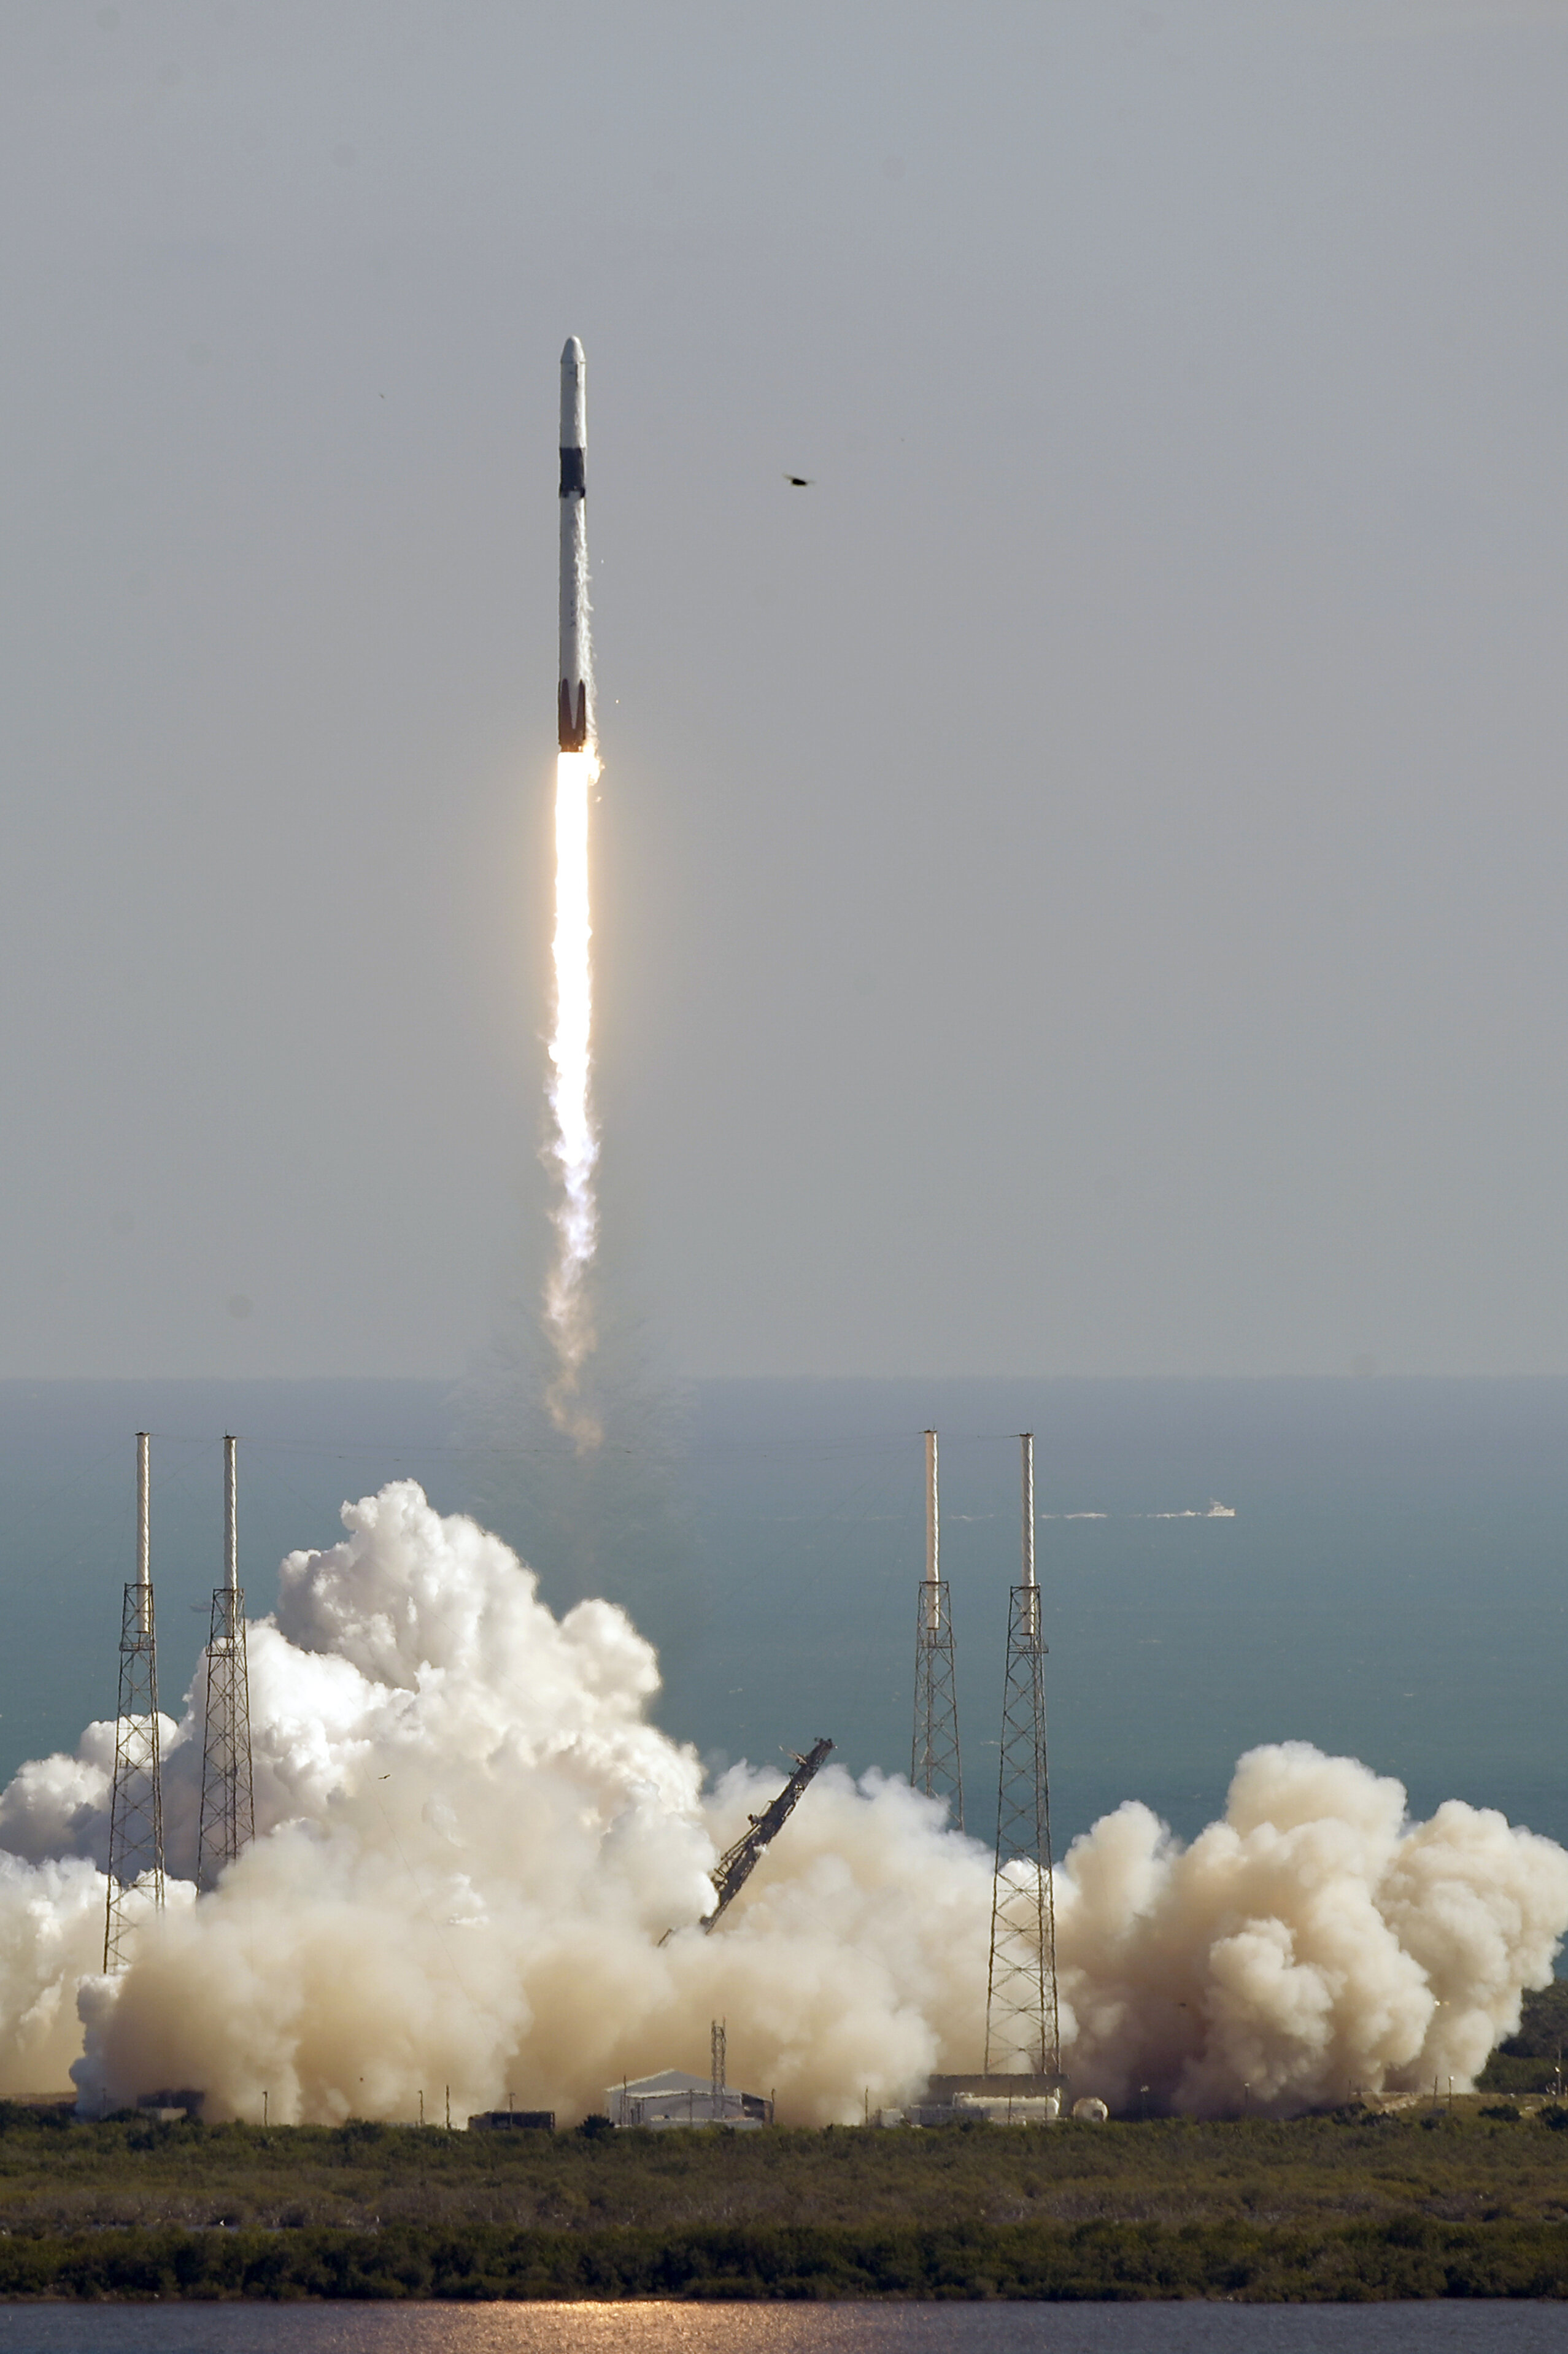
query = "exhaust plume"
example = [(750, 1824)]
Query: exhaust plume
[(573, 1149), (470, 1841)]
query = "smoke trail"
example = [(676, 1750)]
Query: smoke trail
[(471, 1839), (574, 1147)]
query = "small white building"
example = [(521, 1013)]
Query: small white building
[(674, 2098), (1008, 2108)]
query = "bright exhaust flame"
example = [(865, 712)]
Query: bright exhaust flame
[(573, 1151)]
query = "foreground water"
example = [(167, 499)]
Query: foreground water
[(789, 2329), (1391, 1584)]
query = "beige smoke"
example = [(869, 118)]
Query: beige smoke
[(1310, 1947), (470, 1840)]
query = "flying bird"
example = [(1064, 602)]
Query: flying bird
[(800, 482)]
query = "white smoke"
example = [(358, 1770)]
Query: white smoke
[(471, 1839), (1310, 1947)]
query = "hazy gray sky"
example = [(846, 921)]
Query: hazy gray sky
[(1080, 888)]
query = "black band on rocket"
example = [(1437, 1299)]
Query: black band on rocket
[(574, 722), (573, 485)]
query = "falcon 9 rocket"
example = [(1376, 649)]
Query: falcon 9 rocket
[(577, 662)]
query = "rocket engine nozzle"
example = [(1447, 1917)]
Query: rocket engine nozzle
[(574, 722)]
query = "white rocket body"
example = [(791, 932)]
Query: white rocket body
[(575, 698)]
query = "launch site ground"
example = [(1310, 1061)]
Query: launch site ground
[(1419, 2202)]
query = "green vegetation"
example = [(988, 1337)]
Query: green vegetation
[(1405, 2258), (1528, 2062), (1419, 2203)]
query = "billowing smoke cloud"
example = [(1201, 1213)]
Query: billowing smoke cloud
[(1310, 1947), (470, 1840)]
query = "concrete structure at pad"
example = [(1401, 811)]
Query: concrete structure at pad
[(675, 2098)]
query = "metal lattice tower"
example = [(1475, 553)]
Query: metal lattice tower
[(137, 1805), (717, 2040), (228, 1821), (1022, 2033), (934, 1753)]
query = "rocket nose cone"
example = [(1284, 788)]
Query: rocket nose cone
[(571, 353)]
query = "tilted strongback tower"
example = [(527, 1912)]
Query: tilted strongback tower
[(934, 1755), (228, 1822), (136, 1805), (1022, 2034)]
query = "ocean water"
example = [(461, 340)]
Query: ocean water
[(1522, 2328), (1391, 1583)]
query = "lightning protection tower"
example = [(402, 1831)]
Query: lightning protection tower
[(1023, 2035), (226, 1822), (934, 1754), (136, 1805)]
